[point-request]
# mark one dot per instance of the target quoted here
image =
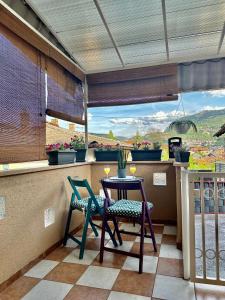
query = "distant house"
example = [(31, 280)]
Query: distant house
[(57, 134)]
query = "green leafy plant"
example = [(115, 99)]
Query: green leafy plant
[(182, 126), (156, 145), (77, 142), (180, 148), (122, 158), (101, 147)]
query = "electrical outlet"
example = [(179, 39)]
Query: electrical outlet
[(49, 216), (159, 179), (2, 207)]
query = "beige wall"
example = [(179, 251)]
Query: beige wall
[(23, 236), (163, 197)]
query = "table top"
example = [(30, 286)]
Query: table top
[(127, 179)]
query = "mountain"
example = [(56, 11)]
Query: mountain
[(105, 135)]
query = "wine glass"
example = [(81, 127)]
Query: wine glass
[(107, 170), (133, 169)]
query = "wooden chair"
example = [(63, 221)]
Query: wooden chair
[(136, 210), (91, 205)]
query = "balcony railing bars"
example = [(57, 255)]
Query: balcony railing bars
[(203, 221)]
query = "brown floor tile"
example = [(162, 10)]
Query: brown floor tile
[(19, 288), (157, 229), (79, 233), (93, 244), (169, 239), (170, 267), (60, 253), (66, 272), (209, 292), (127, 237), (148, 249), (133, 283), (82, 292), (111, 260)]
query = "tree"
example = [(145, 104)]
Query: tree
[(137, 137), (111, 135)]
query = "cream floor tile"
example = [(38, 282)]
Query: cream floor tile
[(130, 227), (126, 246), (125, 296), (99, 277), (149, 264), (171, 230), (170, 251), (209, 292), (158, 238), (173, 288), (48, 290), (89, 256), (71, 244), (41, 269)]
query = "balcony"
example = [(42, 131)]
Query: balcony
[(60, 59)]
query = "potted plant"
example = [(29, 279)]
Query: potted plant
[(122, 163), (60, 154), (182, 126), (181, 154), (77, 143), (143, 152), (107, 153)]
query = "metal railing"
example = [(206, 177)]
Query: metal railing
[(203, 221)]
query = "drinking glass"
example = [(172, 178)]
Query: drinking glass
[(107, 170), (133, 169)]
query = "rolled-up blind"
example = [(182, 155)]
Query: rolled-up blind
[(65, 94), (202, 75), (141, 85), (22, 100)]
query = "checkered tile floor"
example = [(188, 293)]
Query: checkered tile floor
[(63, 276)]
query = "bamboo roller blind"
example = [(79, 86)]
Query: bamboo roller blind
[(141, 85), (23, 98)]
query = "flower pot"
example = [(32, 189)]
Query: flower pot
[(121, 173), (143, 155), (80, 155), (61, 157), (182, 156), (108, 155)]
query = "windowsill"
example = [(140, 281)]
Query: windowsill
[(43, 167)]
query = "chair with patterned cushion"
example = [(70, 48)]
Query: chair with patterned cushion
[(135, 210), (91, 206)]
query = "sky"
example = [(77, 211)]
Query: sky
[(126, 120)]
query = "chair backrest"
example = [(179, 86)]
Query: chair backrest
[(123, 185), (76, 183)]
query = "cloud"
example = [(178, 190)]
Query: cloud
[(161, 117), (216, 93), (208, 107), (90, 116)]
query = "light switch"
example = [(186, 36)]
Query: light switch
[(2, 207), (49, 216), (159, 179)]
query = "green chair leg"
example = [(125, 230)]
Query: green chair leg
[(84, 235), (94, 228)]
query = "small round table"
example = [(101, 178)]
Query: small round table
[(122, 183)]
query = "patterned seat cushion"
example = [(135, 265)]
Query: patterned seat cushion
[(127, 208), (83, 203)]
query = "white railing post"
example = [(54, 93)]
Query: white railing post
[(185, 222)]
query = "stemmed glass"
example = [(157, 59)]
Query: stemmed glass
[(133, 169), (107, 170)]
